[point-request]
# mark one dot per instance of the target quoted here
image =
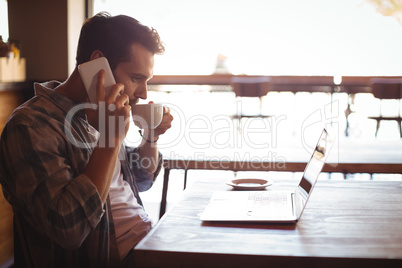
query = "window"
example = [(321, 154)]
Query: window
[(3, 20), (270, 37)]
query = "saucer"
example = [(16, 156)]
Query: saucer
[(249, 184)]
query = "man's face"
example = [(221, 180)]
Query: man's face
[(135, 73)]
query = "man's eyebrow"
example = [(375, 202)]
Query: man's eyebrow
[(140, 75)]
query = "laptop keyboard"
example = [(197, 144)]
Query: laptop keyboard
[(264, 201)]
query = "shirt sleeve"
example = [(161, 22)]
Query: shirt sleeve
[(143, 178), (42, 183)]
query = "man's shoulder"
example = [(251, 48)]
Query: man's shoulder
[(34, 110)]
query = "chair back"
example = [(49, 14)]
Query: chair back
[(250, 86), (387, 88)]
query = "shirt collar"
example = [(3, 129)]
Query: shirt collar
[(46, 90)]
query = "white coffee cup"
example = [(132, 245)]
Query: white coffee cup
[(147, 116)]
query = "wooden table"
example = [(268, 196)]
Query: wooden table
[(347, 156), (345, 224)]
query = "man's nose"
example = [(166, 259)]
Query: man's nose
[(142, 91)]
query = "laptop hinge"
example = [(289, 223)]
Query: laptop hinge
[(294, 207)]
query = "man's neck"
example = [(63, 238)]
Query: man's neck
[(73, 88)]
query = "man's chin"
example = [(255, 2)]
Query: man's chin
[(134, 102)]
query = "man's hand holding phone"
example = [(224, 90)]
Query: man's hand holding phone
[(113, 115)]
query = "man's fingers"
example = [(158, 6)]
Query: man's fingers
[(116, 91), (166, 110)]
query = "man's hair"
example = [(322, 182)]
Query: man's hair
[(114, 37)]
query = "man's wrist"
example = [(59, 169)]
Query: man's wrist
[(148, 136)]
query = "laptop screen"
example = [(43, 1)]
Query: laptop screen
[(314, 167)]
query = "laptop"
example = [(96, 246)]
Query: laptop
[(270, 206)]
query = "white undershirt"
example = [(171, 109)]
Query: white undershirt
[(130, 220)]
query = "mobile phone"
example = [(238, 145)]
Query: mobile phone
[(89, 75)]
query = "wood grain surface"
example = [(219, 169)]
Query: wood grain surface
[(345, 223)]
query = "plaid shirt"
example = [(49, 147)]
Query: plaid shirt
[(59, 209)]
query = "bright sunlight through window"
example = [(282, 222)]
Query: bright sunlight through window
[(270, 37), (262, 37), (3, 20)]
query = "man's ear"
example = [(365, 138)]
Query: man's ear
[(96, 54)]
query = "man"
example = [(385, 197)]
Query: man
[(78, 206)]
